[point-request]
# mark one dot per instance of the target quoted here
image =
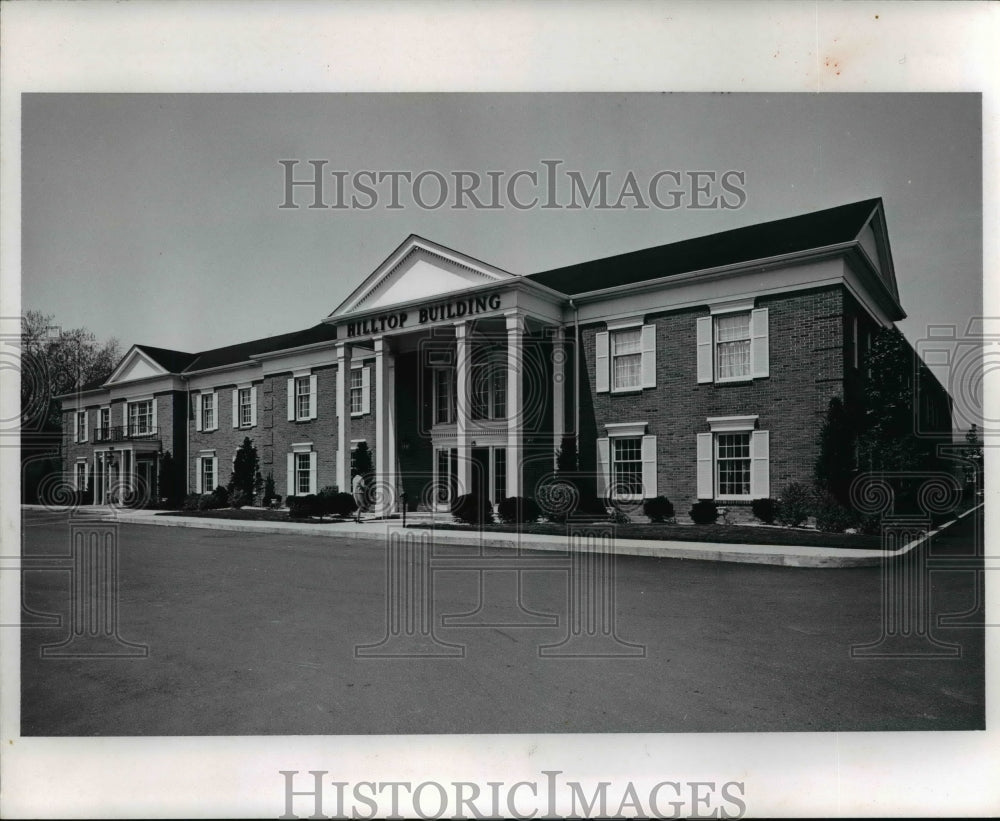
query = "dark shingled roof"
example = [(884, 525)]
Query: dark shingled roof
[(232, 354), (173, 361), (768, 239)]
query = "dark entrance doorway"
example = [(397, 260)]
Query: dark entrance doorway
[(146, 479), (479, 474)]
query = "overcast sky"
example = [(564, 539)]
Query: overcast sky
[(156, 219)]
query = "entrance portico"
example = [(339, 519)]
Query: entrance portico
[(455, 391)]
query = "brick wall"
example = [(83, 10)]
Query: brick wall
[(806, 370)]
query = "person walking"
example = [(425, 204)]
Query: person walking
[(358, 489)]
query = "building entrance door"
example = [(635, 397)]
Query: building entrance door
[(146, 473), (479, 474)]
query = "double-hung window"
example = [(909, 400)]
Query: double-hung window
[(302, 397), (357, 390), (733, 460), (104, 424), (625, 357), (302, 473), (732, 344), (208, 478), (208, 411), (444, 395), (140, 418), (81, 426), (732, 464), (81, 475), (626, 466), (243, 399)]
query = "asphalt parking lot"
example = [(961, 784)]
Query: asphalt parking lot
[(255, 634)]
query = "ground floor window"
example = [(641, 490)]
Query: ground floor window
[(732, 463), (626, 466), (208, 482), (81, 475), (302, 473), (499, 473)]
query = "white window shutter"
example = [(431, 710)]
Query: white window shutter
[(603, 466), (74, 419), (759, 344), (313, 395), (704, 341), (704, 478), (197, 416), (291, 474), (602, 360), (215, 411), (312, 472), (648, 467), (236, 408), (366, 389), (197, 475), (291, 400), (648, 342), (86, 425), (253, 406), (760, 472), (152, 415), (215, 473), (125, 416)]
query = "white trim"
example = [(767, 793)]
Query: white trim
[(301, 447), (615, 429), (730, 306), (626, 322), (299, 372), (731, 424), (208, 452)]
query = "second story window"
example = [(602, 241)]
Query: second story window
[(732, 346), (140, 418), (626, 359), (302, 397), (245, 407), (81, 426), (208, 411), (488, 384)]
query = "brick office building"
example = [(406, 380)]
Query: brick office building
[(698, 369)]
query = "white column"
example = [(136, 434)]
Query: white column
[(385, 446), (462, 407), (515, 416), (343, 417), (558, 389)]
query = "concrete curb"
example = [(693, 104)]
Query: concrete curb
[(784, 555)]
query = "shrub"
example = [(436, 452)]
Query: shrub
[(237, 499), (301, 507), (269, 494), (765, 509), (794, 504), (340, 504), (658, 509), (619, 517), (191, 501), (276, 500), (210, 501), (832, 516), (222, 496), (471, 509), (704, 512), (517, 510)]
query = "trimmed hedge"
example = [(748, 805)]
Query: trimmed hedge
[(658, 509), (795, 504), (832, 516), (517, 510), (301, 507), (765, 509), (704, 512), (471, 509)]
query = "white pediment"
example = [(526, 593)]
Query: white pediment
[(874, 241), (135, 365), (419, 269)]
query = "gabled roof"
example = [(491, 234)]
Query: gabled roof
[(818, 229), (233, 354), (170, 361)]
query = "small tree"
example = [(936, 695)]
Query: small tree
[(835, 465), (269, 493), (246, 470)]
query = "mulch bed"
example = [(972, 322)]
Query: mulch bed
[(252, 515)]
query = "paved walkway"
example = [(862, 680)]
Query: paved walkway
[(788, 555)]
